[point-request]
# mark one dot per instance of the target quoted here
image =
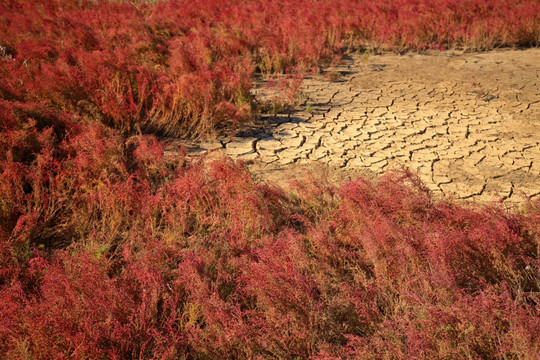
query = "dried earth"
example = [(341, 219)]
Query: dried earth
[(467, 123)]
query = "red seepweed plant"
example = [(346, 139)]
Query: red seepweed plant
[(183, 67), (110, 249), (158, 257)]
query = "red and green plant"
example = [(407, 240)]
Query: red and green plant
[(111, 249), (153, 257), (183, 68)]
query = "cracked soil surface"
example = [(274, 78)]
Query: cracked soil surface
[(467, 123)]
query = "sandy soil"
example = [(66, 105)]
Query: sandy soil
[(467, 123)]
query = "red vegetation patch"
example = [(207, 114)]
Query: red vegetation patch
[(184, 67), (147, 257), (109, 249)]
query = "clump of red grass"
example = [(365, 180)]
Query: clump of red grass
[(183, 68), (109, 249)]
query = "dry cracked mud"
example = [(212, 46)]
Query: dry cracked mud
[(467, 123)]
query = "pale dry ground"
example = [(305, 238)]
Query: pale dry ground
[(468, 124)]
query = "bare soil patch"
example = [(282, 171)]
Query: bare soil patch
[(467, 123)]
